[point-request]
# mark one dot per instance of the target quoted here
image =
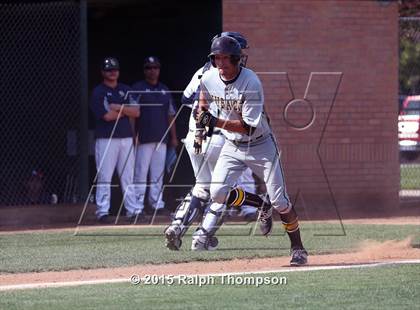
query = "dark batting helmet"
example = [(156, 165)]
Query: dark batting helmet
[(225, 45)]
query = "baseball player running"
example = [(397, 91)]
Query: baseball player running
[(204, 152), (239, 96)]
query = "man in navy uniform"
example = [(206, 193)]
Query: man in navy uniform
[(153, 132), (112, 109)]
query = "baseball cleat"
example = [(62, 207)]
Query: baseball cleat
[(197, 245), (208, 244), (213, 243), (299, 257), (137, 219), (266, 220), (173, 241), (105, 219)]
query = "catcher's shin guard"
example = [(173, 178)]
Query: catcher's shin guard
[(188, 211), (213, 221), (291, 225), (238, 197), (204, 240)]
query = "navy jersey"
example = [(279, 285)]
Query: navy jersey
[(156, 104), (102, 97)]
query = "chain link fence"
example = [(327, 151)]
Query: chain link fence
[(41, 110), (409, 107)]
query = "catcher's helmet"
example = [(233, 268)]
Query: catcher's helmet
[(237, 36), (110, 63), (225, 45)]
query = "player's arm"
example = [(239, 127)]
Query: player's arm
[(190, 92), (203, 104), (171, 119), (174, 139), (101, 108), (132, 122), (205, 118), (252, 109), (234, 125), (111, 116), (131, 110)]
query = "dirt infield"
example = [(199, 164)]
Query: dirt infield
[(367, 252)]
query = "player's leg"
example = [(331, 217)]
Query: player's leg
[(143, 156), (248, 184), (229, 194), (188, 211), (244, 182), (226, 172), (192, 208), (272, 174), (203, 238), (214, 148), (106, 154), (226, 192), (157, 169), (125, 168), (193, 205)]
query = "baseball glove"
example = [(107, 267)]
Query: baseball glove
[(205, 119)]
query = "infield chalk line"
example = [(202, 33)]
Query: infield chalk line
[(283, 270)]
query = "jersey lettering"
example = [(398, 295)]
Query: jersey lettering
[(228, 104)]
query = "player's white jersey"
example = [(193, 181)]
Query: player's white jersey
[(192, 87), (239, 99), (190, 91)]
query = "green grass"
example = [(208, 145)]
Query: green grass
[(410, 176), (392, 287), (47, 251)]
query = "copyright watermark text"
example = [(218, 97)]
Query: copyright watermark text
[(203, 280)]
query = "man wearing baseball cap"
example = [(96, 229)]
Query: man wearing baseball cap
[(157, 115), (112, 108)]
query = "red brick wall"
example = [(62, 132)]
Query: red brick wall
[(355, 41)]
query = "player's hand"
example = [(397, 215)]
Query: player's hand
[(198, 140), (115, 107), (205, 119)]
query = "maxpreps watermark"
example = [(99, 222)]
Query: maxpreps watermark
[(203, 280)]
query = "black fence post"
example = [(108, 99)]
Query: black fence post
[(84, 142)]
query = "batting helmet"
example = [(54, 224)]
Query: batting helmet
[(225, 45)]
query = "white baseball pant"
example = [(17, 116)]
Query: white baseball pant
[(203, 164), (111, 153), (150, 159)]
